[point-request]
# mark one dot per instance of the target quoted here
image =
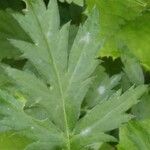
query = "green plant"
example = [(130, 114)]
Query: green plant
[(135, 135), (61, 98)]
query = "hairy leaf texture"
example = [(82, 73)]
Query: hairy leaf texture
[(46, 101)]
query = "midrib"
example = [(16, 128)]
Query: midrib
[(58, 79)]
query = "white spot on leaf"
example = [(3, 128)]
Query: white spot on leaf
[(49, 34), (25, 10), (37, 44), (85, 38), (32, 128), (38, 100), (51, 87), (101, 90), (86, 131)]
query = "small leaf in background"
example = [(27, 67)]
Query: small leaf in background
[(132, 68), (135, 35), (135, 136), (141, 110), (125, 23), (7, 50), (104, 117), (116, 13), (10, 141)]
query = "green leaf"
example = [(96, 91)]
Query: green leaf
[(54, 56), (102, 87), (135, 135), (141, 110), (132, 68), (125, 23), (115, 13), (106, 116), (135, 35), (11, 141), (15, 120), (106, 147), (57, 68), (48, 94), (6, 33)]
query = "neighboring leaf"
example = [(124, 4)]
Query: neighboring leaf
[(125, 23), (135, 35), (141, 110), (111, 47), (7, 50), (135, 136), (16, 32), (106, 116), (132, 68), (102, 87), (115, 13)]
